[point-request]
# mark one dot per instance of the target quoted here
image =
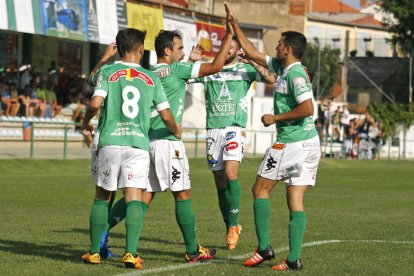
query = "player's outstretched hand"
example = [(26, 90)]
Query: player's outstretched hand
[(110, 51), (229, 14), (268, 120), (196, 53)]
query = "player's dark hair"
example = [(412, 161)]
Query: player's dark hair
[(235, 38), (128, 40), (296, 41), (165, 39)]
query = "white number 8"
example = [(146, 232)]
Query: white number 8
[(130, 106)]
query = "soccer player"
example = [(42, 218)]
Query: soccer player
[(127, 91), (294, 156), (169, 168), (226, 108)]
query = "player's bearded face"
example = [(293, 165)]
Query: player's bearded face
[(233, 52), (281, 51), (177, 53)]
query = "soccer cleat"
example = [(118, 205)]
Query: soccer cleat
[(260, 256), (103, 247), (233, 236), (202, 254), (132, 261), (89, 258), (286, 265)]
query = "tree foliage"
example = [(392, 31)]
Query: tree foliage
[(403, 11), (393, 115), (329, 69)]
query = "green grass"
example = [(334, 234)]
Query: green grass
[(45, 204)]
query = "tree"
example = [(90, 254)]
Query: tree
[(329, 67), (403, 11)]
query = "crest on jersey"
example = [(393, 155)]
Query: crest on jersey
[(224, 92), (130, 74)]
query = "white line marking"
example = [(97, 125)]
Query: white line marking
[(241, 257)]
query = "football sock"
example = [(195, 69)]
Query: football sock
[(117, 213), (297, 227), (223, 205), (186, 220), (233, 200), (261, 207), (98, 220), (133, 224)]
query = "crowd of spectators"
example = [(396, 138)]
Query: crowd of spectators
[(360, 137), (29, 93)]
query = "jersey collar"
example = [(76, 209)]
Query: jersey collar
[(131, 64), (291, 65), (229, 66)]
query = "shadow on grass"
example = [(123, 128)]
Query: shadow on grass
[(59, 251)]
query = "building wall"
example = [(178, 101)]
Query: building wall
[(325, 32)]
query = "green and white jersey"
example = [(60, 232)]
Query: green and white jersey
[(226, 95), (292, 87), (129, 92), (173, 78)]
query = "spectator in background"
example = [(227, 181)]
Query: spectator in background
[(321, 117), (62, 87), (51, 100), (52, 73), (336, 120), (24, 76), (328, 115), (9, 101), (30, 101)]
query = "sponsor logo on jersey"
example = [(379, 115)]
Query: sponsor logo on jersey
[(230, 135), (175, 174), (163, 72), (270, 163), (281, 86), (130, 74), (278, 146), (232, 146), (99, 81), (211, 160), (300, 84)]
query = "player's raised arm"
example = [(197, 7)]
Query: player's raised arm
[(217, 64), (110, 51), (245, 43), (266, 76)]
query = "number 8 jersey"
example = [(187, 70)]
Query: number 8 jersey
[(129, 92)]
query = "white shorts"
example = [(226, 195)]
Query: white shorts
[(169, 168), (293, 163), (224, 144), (94, 154), (122, 167)]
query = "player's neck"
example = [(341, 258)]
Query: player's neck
[(133, 57), (289, 61), (165, 60)]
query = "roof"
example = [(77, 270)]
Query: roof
[(350, 19), (331, 6)]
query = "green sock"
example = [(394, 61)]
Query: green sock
[(186, 220), (297, 227), (117, 213), (233, 200), (98, 220), (261, 207), (223, 205), (133, 224)]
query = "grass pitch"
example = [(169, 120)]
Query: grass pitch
[(360, 221)]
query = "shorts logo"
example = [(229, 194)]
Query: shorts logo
[(211, 160), (230, 135), (106, 174), (209, 142), (175, 175), (278, 146), (130, 176), (270, 163), (232, 146)]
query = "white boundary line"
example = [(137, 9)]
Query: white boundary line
[(240, 257)]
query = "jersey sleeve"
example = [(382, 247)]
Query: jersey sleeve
[(160, 100), (300, 86), (272, 65), (102, 84), (185, 70)]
